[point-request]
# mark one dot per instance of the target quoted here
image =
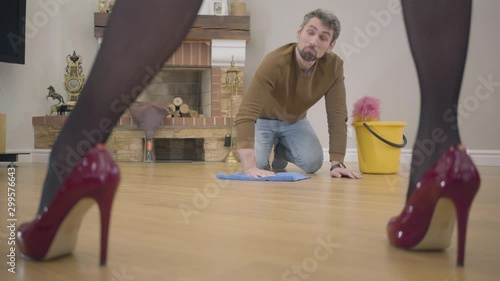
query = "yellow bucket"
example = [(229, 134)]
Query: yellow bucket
[(379, 146)]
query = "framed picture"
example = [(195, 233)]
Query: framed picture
[(218, 8)]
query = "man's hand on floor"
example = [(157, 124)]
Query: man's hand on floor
[(341, 172), (258, 173)]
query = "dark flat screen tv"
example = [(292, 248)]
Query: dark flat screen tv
[(12, 31)]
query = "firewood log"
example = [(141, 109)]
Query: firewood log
[(193, 113), (177, 101), (184, 108)]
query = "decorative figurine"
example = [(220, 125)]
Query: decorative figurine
[(55, 96)]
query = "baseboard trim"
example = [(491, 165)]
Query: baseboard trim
[(40, 155), (22, 158), (486, 157), (480, 157)]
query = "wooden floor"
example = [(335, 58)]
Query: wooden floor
[(175, 221)]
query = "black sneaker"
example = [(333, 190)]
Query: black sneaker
[(278, 162)]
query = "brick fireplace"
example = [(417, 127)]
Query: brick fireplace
[(197, 73)]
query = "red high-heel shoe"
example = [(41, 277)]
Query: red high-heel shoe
[(427, 221), (53, 233)]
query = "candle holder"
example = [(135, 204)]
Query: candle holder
[(233, 80)]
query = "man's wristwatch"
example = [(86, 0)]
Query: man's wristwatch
[(338, 165)]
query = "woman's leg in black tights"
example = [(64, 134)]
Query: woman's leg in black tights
[(140, 37), (438, 33)]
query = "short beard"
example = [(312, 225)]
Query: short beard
[(307, 56)]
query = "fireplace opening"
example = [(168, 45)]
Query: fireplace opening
[(189, 149), (192, 85)]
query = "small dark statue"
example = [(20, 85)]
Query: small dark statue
[(55, 96)]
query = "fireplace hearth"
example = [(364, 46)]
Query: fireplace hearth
[(189, 149)]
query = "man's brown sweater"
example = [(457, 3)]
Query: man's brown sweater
[(279, 90)]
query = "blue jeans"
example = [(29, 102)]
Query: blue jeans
[(298, 144)]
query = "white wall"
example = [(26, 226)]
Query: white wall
[(55, 28), (383, 68)]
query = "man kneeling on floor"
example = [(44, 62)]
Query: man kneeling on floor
[(289, 81)]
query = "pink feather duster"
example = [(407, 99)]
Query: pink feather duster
[(366, 109)]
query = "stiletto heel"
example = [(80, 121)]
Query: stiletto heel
[(53, 233), (105, 209), (446, 191), (462, 218), (462, 206)]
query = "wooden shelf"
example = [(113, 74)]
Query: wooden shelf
[(204, 27)]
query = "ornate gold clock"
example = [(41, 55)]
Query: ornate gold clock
[(73, 78)]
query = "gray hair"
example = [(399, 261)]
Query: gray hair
[(327, 18)]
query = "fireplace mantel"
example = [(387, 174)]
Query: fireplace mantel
[(205, 27)]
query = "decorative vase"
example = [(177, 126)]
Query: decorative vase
[(238, 8), (149, 116), (102, 6)]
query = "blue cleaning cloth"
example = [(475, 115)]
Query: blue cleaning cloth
[(284, 176)]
